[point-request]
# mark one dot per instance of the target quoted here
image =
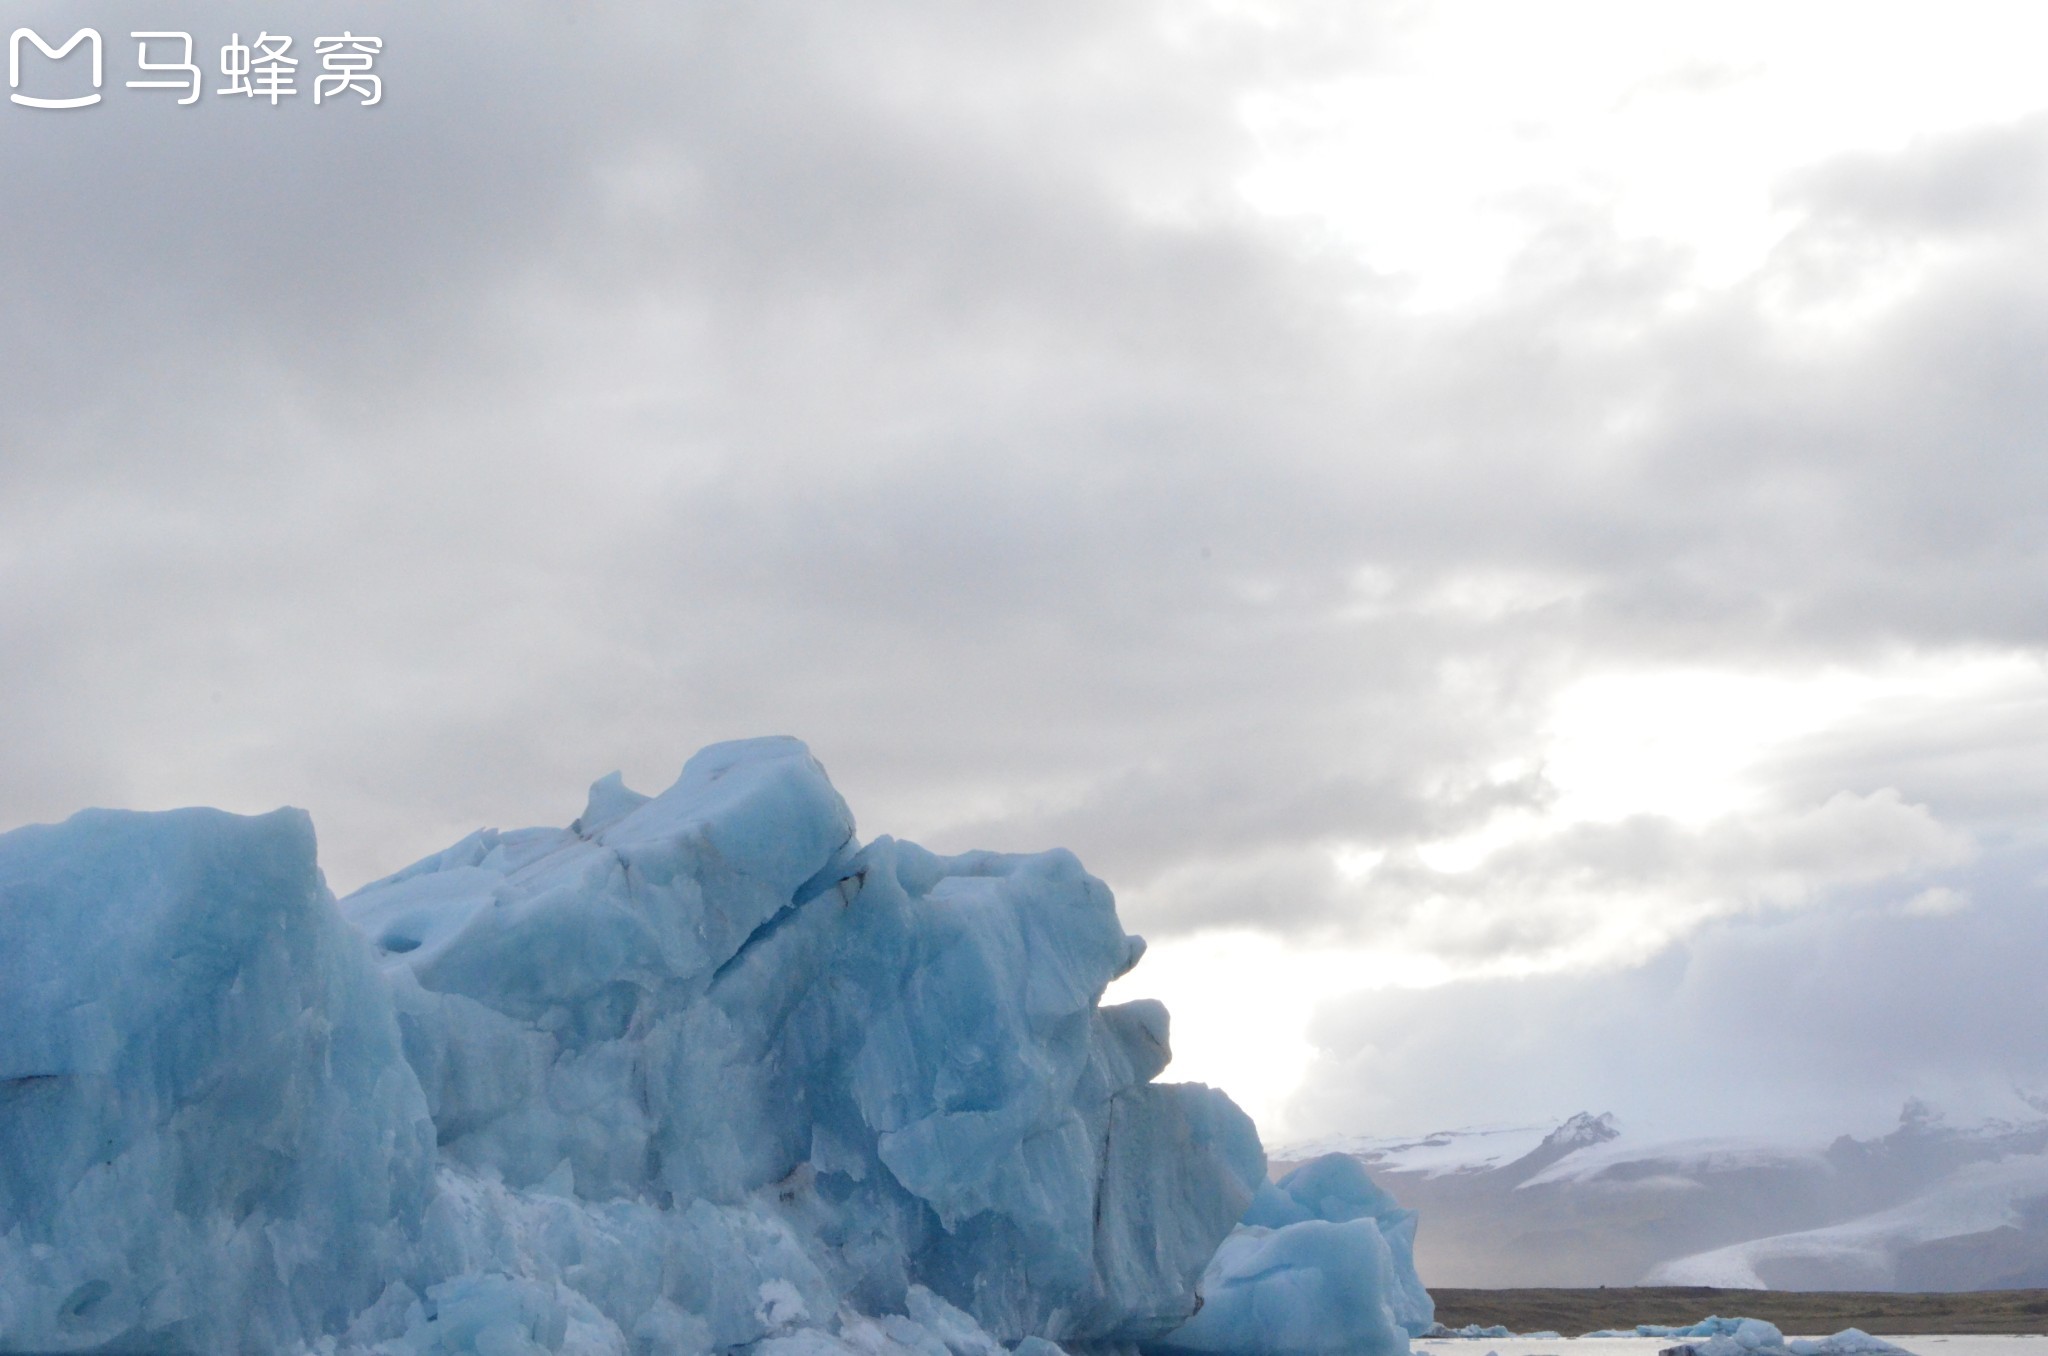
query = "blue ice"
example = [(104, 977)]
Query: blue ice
[(700, 1072)]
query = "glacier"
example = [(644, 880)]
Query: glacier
[(701, 1072)]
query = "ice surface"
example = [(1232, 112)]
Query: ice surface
[(699, 1073), (1338, 1189), (1754, 1337), (1847, 1342), (203, 1105), (1323, 1262), (1760, 1332), (1296, 1290)]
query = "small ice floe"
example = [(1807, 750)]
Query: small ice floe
[(1754, 1337)]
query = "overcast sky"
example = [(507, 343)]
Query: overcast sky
[(1511, 536)]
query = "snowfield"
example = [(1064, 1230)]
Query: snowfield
[(1977, 1199), (1928, 1207)]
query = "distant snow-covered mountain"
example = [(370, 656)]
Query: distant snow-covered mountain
[(1459, 1151), (1926, 1207)]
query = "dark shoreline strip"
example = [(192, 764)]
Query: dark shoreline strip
[(1806, 1313)]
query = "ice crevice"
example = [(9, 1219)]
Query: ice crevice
[(699, 1073)]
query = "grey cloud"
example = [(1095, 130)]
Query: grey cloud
[(1976, 179), (1979, 758), (908, 383), (1808, 1024), (1632, 885)]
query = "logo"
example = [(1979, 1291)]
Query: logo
[(262, 70), (54, 54)]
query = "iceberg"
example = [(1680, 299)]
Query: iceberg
[(1847, 1342), (700, 1072), (1323, 1262), (1336, 1188), (1713, 1325), (1754, 1337)]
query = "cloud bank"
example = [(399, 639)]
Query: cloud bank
[(931, 386)]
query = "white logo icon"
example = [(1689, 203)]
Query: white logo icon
[(55, 54)]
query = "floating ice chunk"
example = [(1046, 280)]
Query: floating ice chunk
[(1754, 1337), (698, 1074), (1336, 1188), (1847, 1342), (1310, 1288), (1758, 1332)]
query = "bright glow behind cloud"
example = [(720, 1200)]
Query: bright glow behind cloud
[(1695, 747), (1253, 1042), (1473, 117), (1688, 744)]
